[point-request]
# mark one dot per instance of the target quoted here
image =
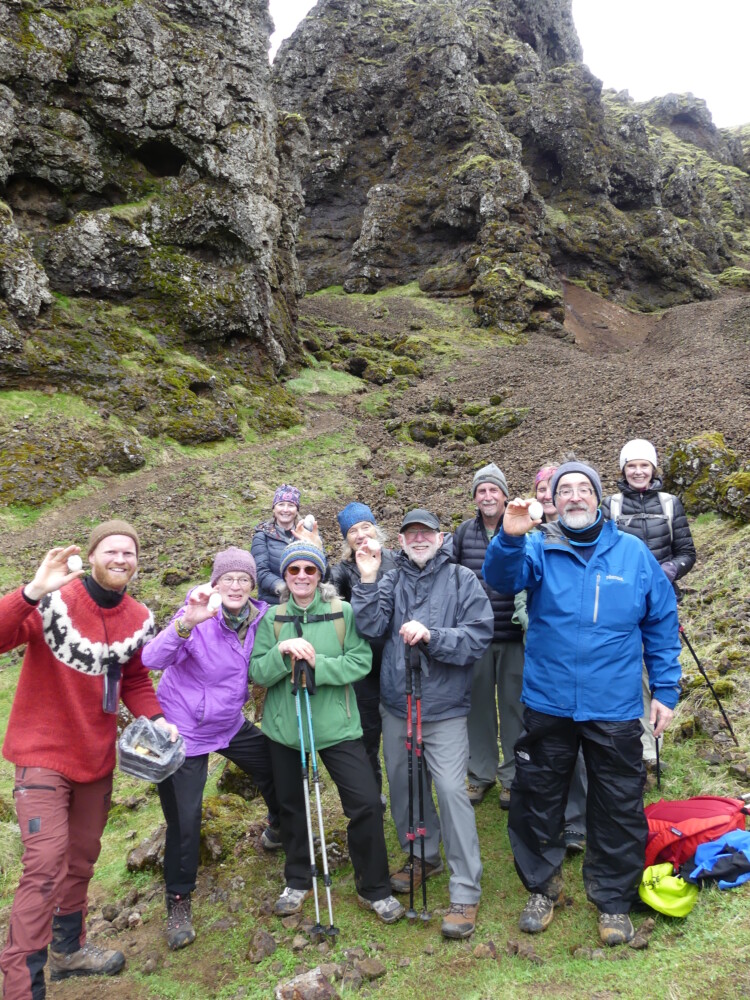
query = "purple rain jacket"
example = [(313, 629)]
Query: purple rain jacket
[(205, 680)]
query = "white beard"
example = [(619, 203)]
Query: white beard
[(578, 519)]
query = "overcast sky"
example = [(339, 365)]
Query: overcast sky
[(649, 47)]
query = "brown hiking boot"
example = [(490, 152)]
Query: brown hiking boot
[(459, 921), (180, 930), (86, 961), (537, 915), (400, 879)]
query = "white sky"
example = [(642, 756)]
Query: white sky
[(649, 47)]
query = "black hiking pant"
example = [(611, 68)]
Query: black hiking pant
[(616, 827), (181, 797), (348, 765)]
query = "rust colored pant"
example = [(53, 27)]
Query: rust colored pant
[(61, 825)]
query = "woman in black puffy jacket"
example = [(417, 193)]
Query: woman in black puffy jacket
[(643, 509)]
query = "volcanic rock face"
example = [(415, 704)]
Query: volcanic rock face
[(147, 179), (464, 145)]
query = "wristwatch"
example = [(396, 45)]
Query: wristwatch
[(182, 629)]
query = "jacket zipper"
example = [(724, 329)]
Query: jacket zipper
[(596, 598)]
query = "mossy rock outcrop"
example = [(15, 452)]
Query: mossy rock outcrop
[(465, 145), (708, 477)]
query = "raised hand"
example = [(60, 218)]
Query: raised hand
[(516, 519), (368, 559), (53, 572), (311, 535), (200, 605)]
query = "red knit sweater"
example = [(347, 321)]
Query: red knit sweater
[(57, 719)]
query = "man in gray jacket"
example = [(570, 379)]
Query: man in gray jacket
[(431, 602)]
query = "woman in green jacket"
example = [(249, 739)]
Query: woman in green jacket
[(313, 625)]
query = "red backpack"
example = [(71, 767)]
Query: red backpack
[(675, 829)]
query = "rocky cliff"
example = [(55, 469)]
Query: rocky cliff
[(464, 145), (150, 196)]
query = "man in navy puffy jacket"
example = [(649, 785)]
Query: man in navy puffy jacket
[(598, 603)]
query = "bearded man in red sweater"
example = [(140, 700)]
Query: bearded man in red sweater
[(83, 636)]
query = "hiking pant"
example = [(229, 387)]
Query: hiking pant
[(616, 827), (575, 808), (367, 690), (181, 797), (61, 825), (497, 679), (347, 764), (446, 754)]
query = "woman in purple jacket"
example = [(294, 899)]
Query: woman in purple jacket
[(204, 653)]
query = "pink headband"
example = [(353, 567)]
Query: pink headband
[(546, 472)]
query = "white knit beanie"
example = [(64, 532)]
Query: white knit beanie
[(638, 450)]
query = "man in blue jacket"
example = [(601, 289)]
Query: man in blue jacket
[(598, 603), (429, 601)]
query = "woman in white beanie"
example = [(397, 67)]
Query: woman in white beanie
[(643, 509)]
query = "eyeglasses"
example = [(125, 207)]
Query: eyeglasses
[(566, 492), (308, 570), (412, 534), (242, 581)]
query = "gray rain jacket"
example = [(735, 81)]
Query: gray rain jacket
[(450, 601)]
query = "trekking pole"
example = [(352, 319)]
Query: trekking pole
[(330, 931), (411, 913), (417, 672), (298, 680), (658, 765), (683, 635)]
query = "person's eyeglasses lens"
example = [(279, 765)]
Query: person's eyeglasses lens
[(584, 492), (307, 570)]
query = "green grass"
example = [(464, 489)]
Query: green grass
[(325, 381), (702, 956)]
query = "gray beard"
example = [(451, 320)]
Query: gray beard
[(578, 519)]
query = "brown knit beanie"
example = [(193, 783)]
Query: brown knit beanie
[(233, 560), (107, 528)]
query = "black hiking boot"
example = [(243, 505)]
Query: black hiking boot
[(180, 930)]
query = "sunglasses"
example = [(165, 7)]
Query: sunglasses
[(307, 570)]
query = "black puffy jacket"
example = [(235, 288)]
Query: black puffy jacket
[(469, 547), (344, 576), (642, 515)]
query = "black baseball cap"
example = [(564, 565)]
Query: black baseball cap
[(420, 516)]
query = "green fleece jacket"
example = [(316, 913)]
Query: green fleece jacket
[(334, 705)]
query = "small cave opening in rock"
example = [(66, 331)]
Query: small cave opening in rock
[(161, 158), (201, 388), (546, 171)]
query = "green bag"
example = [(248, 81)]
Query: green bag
[(666, 892)]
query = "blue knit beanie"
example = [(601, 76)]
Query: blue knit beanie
[(306, 552), (585, 470), (352, 514)]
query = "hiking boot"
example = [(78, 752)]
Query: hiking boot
[(180, 930), (400, 879), (290, 901), (650, 764), (86, 961), (537, 915), (575, 843), (270, 839), (389, 909), (477, 792), (615, 928), (504, 797), (459, 921)]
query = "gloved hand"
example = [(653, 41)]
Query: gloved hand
[(670, 570)]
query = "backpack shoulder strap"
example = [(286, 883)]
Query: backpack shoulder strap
[(337, 610), (280, 619), (615, 506), (667, 505)]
